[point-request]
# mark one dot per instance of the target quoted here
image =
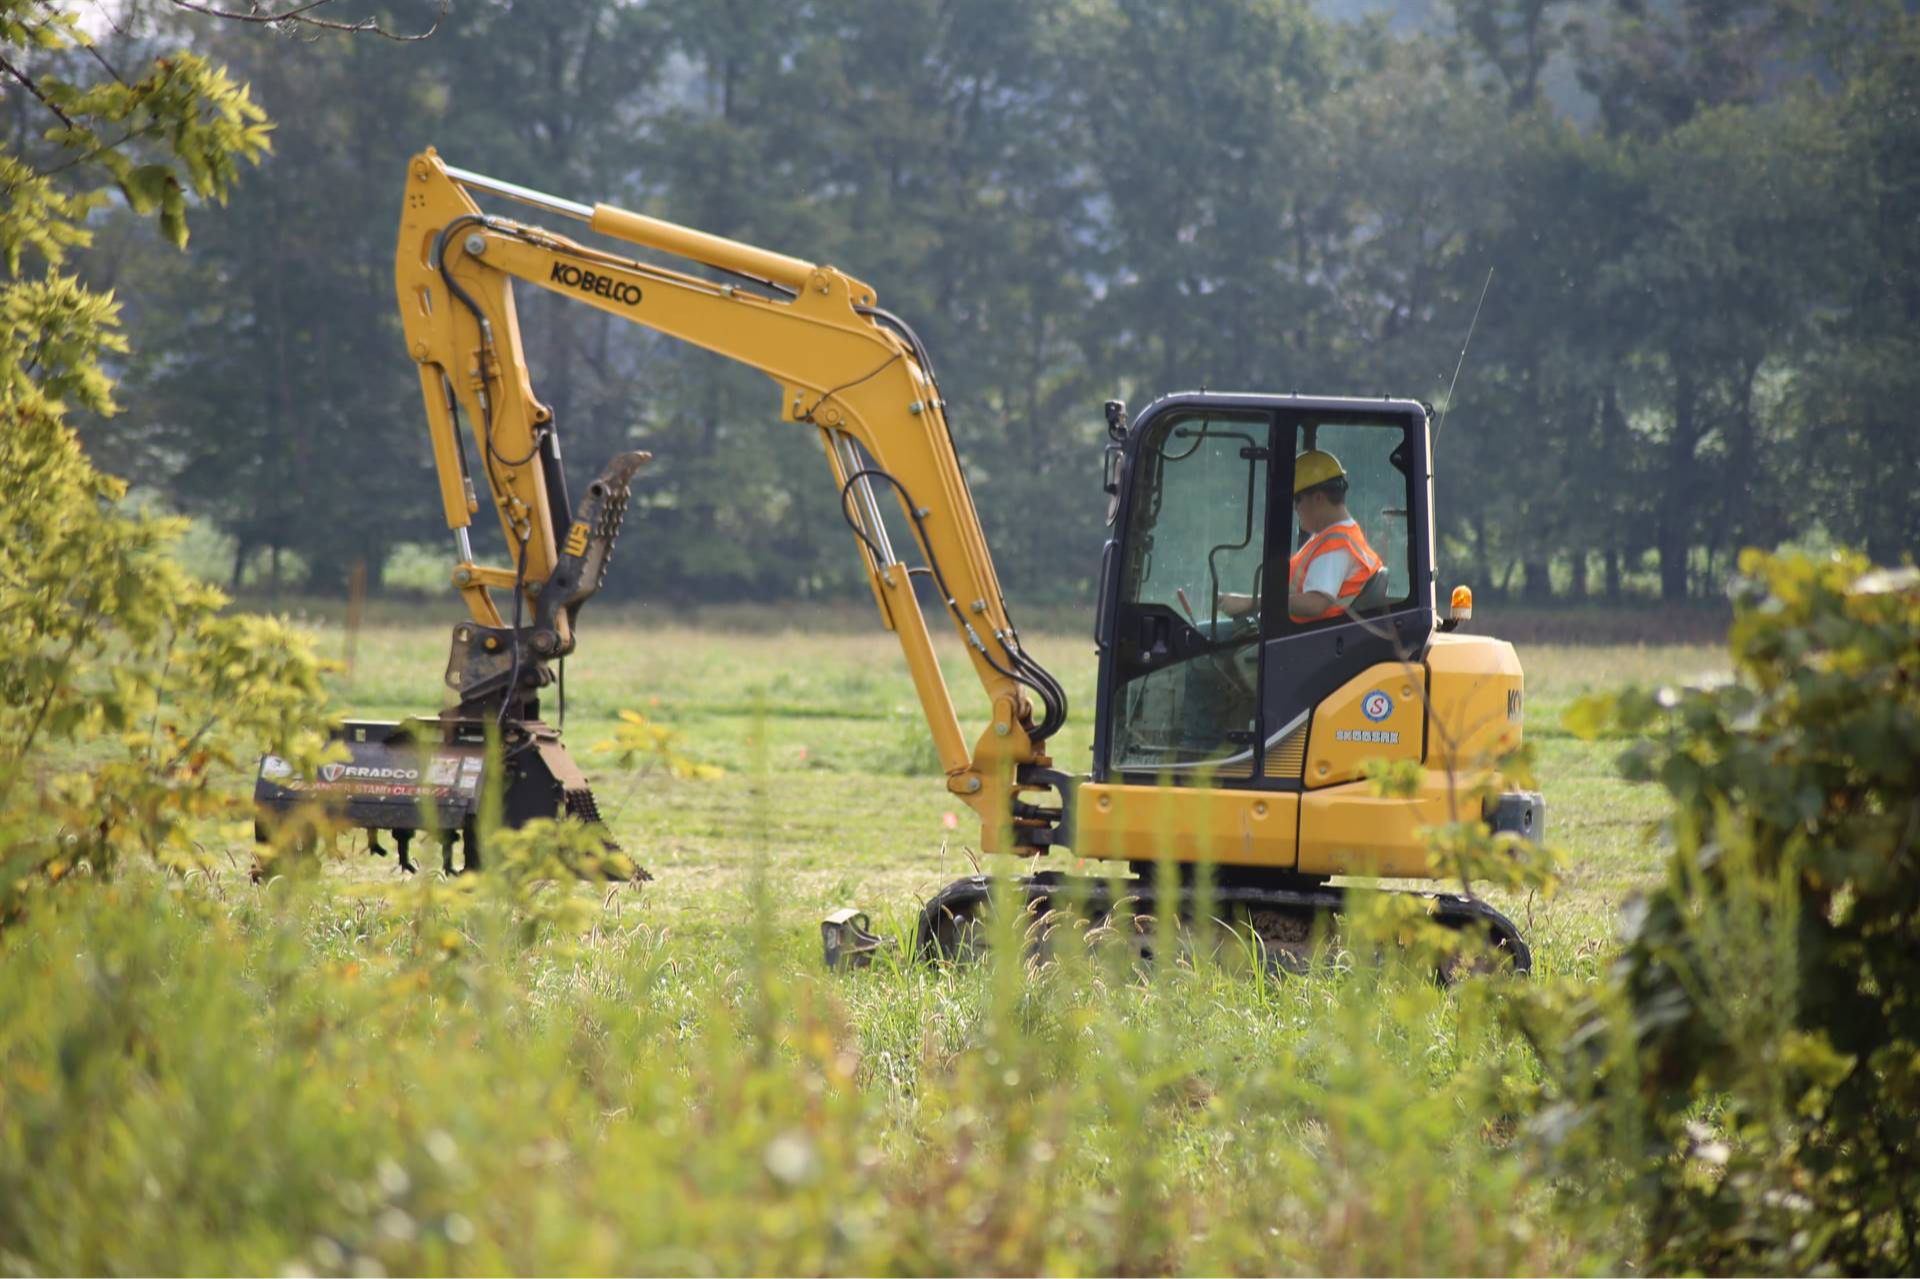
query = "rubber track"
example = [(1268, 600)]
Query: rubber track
[(963, 897)]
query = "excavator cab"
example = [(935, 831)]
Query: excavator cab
[(1206, 677), (1234, 732)]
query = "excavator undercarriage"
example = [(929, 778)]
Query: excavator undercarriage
[(1285, 919)]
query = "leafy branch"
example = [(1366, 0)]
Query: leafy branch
[(28, 82), (303, 15)]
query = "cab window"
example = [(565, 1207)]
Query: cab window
[(1327, 551), (1188, 630)]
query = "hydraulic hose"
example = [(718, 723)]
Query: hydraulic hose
[(486, 337), (1025, 670), (493, 455), (1032, 674)]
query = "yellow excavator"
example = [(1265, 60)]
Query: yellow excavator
[(1228, 733)]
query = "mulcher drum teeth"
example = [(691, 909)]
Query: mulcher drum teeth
[(949, 914)]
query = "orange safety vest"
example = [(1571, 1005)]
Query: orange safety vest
[(1342, 537)]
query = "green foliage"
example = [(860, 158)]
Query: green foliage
[(264, 1078), (185, 127), (533, 1069), (208, 122), (525, 896), (127, 700), (1754, 1055), (1701, 316), (512, 1071), (40, 216), (639, 743), (1464, 850)]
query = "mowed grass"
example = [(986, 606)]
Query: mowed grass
[(831, 783)]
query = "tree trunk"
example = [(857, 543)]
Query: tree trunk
[(1674, 523), (1673, 559), (1745, 448), (1538, 587), (373, 566), (1611, 474), (1577, 585)]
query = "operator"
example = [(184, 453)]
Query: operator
[(1335, 564)]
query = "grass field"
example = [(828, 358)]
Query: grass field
[(830, 776), (360, 1073)]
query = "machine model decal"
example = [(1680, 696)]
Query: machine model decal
[(605, 286), (577, 538), (1383, 736), (1377, 706)]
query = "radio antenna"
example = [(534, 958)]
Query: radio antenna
[(1471, 325)]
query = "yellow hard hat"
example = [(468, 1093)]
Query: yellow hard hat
[(1315, 466)]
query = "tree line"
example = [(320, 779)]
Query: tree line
[(1702, 220)]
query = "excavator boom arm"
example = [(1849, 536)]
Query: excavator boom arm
[(843, 368)]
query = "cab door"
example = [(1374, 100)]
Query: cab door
[(1383, 453), (1181, 631)]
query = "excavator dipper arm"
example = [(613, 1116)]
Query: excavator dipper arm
[(843, 367)]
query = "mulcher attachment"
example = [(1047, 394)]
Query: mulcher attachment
[(429, 774), (1285, 917), (398, 776)]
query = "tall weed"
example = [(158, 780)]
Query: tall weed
[(237, 1077)]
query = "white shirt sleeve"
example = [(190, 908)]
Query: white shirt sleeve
[(1328, 570)]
